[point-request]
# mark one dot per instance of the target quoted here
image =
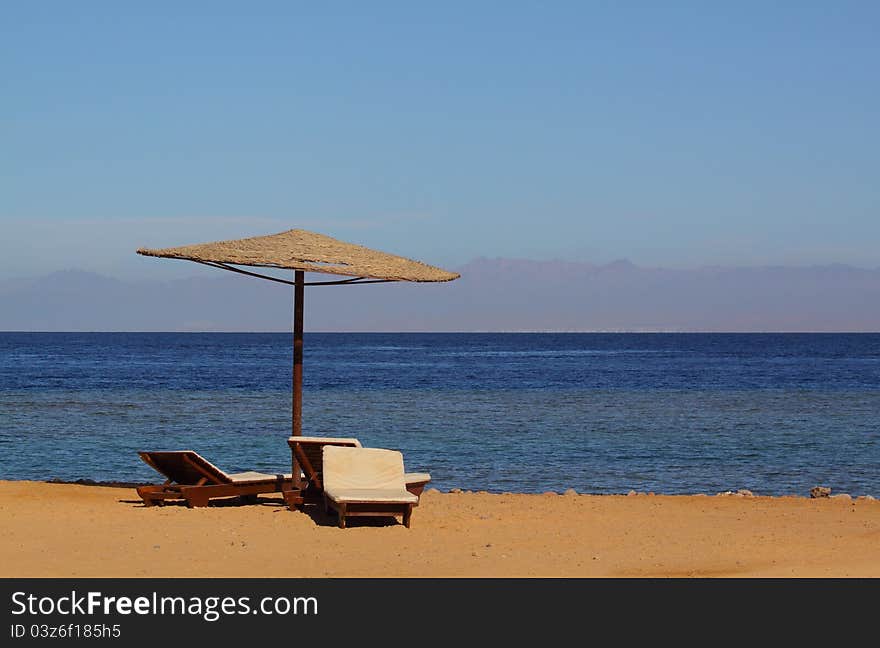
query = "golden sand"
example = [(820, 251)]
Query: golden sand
[(64, 530)]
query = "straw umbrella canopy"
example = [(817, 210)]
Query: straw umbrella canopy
[(302, 252)]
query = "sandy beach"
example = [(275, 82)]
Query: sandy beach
[(67, 530)]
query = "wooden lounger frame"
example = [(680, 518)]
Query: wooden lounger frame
[(306, 459), (212, 483), (355, 509)]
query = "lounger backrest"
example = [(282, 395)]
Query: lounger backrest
[(313, 448), (362, 468), (184, 467)]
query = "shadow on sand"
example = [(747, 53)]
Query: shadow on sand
[(314, 511)]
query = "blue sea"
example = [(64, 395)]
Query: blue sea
[(600, 413)]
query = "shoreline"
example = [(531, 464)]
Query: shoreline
[(570, 491), (79, 531)]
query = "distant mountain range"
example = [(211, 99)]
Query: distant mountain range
[(491, 295)]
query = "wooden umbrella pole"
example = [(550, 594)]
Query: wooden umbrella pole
[(298, 291), (293, 496)]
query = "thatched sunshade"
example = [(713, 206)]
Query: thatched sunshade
[(303, 252)]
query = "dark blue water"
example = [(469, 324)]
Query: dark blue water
[(601, 413)]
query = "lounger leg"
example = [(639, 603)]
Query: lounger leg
[(193, 501), (293, 498), (341, 512), (407, 514), (152, 495), (144, 495)]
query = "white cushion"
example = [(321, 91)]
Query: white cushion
[(365, 475), (251, 476), (371, 495)]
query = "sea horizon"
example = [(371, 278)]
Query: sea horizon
[(444, 332)]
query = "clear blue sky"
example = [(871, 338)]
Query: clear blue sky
[(677, 135)]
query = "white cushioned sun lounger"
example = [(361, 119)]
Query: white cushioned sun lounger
[(366, 482)]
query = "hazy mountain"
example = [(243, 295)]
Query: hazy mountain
[(492, 295)]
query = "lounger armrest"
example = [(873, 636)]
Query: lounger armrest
[(416, 482)]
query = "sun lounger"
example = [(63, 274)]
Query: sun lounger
[(307, 454), (366, 481), (193, 478)]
